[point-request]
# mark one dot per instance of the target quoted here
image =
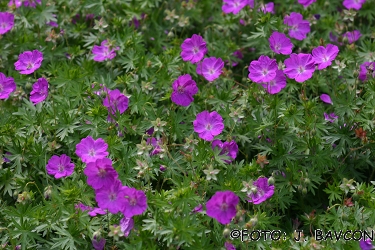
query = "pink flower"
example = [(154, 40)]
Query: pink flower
[(135, 202), (104, 52), (324, 56), (326, 98), (183, 90), (222, 206), (7, 86), (233, 6), (31, 3), (268, 7), (100, 173), (60, 166), (210, 68), (16, 3), (280, 44), (29, 61), (306, 3), (277, 84), (263, 190), (226, 148), (299, 67), (116, 101), (298, 27), (366, 69), (263, 70), (89, 150), (126, 225), (352, 36), (40, 91), (111, 197), (6, 22), (353, 4), (193, 49), (208, 125)]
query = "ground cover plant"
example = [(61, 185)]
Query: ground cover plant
[(234, 124)]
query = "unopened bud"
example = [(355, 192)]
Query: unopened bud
[(307, 181), (226, 232), (271, 181), (304, 191)]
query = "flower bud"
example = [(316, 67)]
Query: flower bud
[(253, 221), (226, 232), (29, 86), (271, 180), (300, 188), (304, 191), (254, 190), (47, 192), (307, 181)]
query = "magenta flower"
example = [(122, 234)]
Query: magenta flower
[(263, 191), (366, 69), (7, 86), (155, 144), (104, 52), (98, 244), (238, 54), (94, 211), (330, 117), (353, 4), (233, 6), (126, 225), (280, 44), (31, 3), (306, 3), (324, 56), (29, 61), (229, 246), (6, 22), (210, 68), (268, 7), (16, 3), (208, 125), (227, 148), (298, 27), (250, 3), (197, 209), (263, 70), (116, 101), (277, 84), (183, 90), (299, 67), (40, 91), (193, 49), (222, 206), (60, 166), (366, 244), (135, 202), (326, 98), (111, 197), (100, 173), (89, 150), (352, 36)]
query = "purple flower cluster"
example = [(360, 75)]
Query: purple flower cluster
[(60, 166), (324, 56), (353, 4), (40, 91), (103, 178), (233, 6), (116, 101), (352, 36), (280, 43), (211, 68), (29, 61), (299, 67), (26, 3), (367, 69), (183, 90), (155, 144)]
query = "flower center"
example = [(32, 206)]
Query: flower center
[(325, 58), (92, 152), (60, 168), (277, 46), (112, 196), (300, 69), (180, 89), (264, 72), (294, 27), (29, 65), (102, 172), (3, 25), (208, 126), (272, 83), (195, 49), (133, 201), (211, 71), (224, 207), (1, 88)]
